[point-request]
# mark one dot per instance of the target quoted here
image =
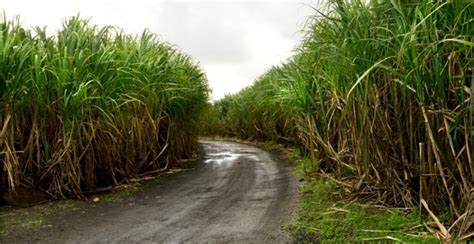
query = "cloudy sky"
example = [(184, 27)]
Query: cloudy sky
[(234, 41)]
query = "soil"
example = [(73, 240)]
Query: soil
[(235, 193)]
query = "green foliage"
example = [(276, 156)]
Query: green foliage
[(378, 90), (91, 107)]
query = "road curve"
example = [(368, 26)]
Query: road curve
[(236, 193)]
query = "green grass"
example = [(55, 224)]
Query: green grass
[(328, 214), (19, 220), (120, 194), (326, 217)]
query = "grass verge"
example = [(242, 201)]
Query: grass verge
[(326, 217), (15, 221), (328, 214)]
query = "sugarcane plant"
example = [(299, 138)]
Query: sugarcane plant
[(93, 107), (379, 91)]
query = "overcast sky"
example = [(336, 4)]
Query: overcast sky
[(234, 41)]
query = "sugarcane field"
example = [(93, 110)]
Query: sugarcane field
[(309, 121)]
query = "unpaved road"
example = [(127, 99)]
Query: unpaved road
[(236, 193)]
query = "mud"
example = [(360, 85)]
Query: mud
[(236, 193)]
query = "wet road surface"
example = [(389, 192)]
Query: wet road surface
[(236, 193)]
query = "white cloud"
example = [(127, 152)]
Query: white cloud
[(235, 41)]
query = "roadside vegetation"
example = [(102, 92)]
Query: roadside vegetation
[(378, 96), (92, 107), (330, 213), (328, 217)]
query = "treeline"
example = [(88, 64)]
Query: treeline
[(380, 92), (92, 107)]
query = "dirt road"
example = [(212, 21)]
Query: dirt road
[(236, 193)]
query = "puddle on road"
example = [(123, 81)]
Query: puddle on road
[(228, 154), (221, 158)]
